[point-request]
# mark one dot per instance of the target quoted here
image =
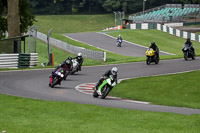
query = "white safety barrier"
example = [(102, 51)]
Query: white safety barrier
[(33, 59), (9, 60), (18, 60), (98, 55)]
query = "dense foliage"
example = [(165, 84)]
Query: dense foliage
[(26, 17), (3, 20), (98, 6)]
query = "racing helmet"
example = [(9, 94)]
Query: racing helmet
[(68, 62), (69, 58), (114, 70), (188, 39), (79, 54), (153, 43)]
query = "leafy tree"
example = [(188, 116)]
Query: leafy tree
[(3, 20), (98, 6), (26, 18), (15, 17)]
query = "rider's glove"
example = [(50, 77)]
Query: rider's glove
[(113, 84)]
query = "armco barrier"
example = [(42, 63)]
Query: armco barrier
[(98, 55), (18, 60)]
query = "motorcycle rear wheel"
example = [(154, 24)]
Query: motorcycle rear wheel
[(156, 60)]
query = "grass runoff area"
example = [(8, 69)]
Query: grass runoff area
[(19, 115), (180, 90), (29, 115), (74, 23)]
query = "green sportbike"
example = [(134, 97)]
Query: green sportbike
[(103, 90)]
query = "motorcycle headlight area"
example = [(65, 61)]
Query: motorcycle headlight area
[(109, 81), (60, 74)]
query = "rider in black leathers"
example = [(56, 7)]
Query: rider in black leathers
[(67, 67), (189, 43), (107, 74), (155, 48), (119, 38), (80, 60)]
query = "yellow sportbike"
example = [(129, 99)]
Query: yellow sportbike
[(151, 56)]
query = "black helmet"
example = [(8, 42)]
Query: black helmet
[(69, 58), (153, 43), (68, 62), (188, 39)]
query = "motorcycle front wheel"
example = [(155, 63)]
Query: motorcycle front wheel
[(148, 60), (54, 82), (105, 91), (95, 94), (185, 56)]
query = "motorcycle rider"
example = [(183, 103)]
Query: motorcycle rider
[(189, 43), (80, 60), (119, 38), (66, 65), (107, 74), (155, 48)]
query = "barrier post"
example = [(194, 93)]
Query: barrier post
[(52, 59)]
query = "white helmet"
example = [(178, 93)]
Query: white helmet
[(114, 70), (79, 54), (119, 35)]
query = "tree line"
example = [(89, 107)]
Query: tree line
[(97, 6), (17, 15)]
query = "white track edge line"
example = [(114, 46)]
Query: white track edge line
[(134, 43)]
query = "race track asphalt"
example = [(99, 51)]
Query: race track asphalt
[(34, 83), (108, 43)]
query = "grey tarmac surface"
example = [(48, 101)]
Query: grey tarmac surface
[(108, 43), (34, 84)]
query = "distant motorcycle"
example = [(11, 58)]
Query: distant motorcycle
[(104, 88), (187, 51), (56, 78), (75, 66), (119, 43), (151, 56)]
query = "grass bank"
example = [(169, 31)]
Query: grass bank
[(174, 90), (74, 23), (165, 41), (26, 115)]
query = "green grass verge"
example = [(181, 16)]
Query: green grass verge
[(165, 41), (195, 25), (174, 90), (74, 23), (60, 55), (19, 115)]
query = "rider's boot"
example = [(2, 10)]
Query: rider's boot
[(99, 92)]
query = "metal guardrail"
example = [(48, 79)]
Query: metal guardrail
[(18, 60), (97, 55)]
